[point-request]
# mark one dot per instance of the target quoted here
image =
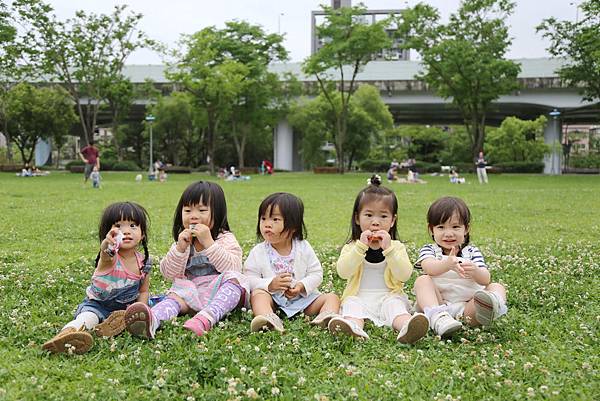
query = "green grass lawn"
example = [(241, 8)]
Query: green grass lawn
[(539, 235)]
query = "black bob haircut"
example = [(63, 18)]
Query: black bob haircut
[(292, 210), (210, 194), (124, 211), (444, 208)]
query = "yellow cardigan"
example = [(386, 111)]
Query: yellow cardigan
[(350, 266)]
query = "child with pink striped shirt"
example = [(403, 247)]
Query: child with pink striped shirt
[(204, 263)]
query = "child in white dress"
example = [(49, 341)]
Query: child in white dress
[(376, 266)]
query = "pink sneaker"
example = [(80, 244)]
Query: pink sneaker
[(138, 320), (198, 324)]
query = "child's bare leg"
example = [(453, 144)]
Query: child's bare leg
[(262, 302), (324, 303), (400, 321), (425, 292)]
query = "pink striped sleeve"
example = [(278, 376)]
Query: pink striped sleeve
[(225, 254), (172, 266)]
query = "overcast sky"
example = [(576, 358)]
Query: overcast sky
[(166, 20)]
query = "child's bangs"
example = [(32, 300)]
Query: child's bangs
[(369, 197), (443, 210), (132, 213), (196, 195)]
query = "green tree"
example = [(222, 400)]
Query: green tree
[(19, 58), (349, 45), (464, 59), (118, 95), (214, 80), (579, 43), (85, 53), (38, 113), (424, 142), (517, 140), (174, 125), (263, 98), (368, 118)]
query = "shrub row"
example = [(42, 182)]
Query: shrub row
[(520, 167), (107, 164)]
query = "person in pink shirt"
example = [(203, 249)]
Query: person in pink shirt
[(204, 264)]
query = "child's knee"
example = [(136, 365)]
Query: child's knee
[(423, 280)]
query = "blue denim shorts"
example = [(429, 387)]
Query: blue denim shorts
[(101, 309)]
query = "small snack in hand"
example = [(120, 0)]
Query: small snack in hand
[(192, 226), (112, 250)]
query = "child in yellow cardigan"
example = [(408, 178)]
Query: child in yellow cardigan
[(376, 266)]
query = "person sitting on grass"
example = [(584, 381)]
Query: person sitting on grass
[(456, 282), (283, 270), (204, 264), (376, 266), (122, 276)]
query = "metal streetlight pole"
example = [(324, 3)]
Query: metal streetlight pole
[(150, 119), (279, 22)]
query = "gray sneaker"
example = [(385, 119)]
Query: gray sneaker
[(345, 326), (445, 325), (266, 322), (322, 319)]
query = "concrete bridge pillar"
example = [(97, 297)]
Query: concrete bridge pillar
[(553, 138), (283, 146)]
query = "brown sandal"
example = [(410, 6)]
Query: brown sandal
[(112, 325), (70, 340)]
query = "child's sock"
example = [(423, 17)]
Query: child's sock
[(87, 319), (167, 309), (432, 311), (226, 299)]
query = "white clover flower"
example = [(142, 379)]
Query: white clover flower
[(275, 391), (251, 393), (264, 370)]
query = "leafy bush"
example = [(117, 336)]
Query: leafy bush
[(125, 165), (424, 167), (74, 163), (589, 161), (374, 165), (464, 167), (520, 167)]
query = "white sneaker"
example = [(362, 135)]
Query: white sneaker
[(445, 325), (415, 329), (340, 325), (487, 307)]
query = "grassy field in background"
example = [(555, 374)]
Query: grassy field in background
[(539, 235)]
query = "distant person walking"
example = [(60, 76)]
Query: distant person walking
[(481, 169), (91, 157)]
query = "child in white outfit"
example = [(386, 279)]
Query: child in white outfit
[(283, 270), (376, 266), (456, 282)]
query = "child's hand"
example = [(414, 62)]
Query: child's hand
[(184, 240), (453, 263), (384, 239), (281, 282), (110, 239), (469, 268), (294, 292), (365, 237), (202, 233)]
